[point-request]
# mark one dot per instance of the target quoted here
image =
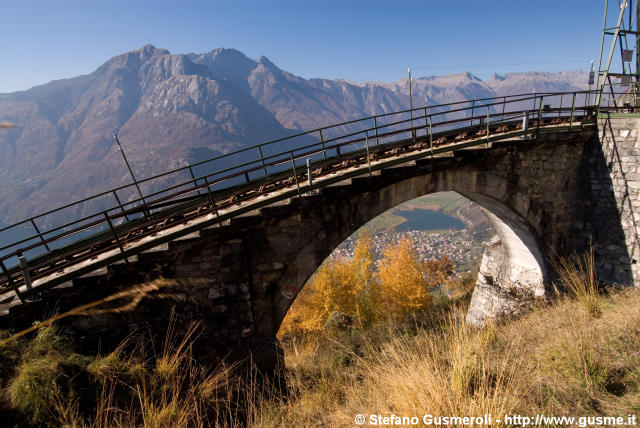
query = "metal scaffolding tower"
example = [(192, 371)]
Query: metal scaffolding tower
[(619, 82)]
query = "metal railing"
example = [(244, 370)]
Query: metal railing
[(285, 166)]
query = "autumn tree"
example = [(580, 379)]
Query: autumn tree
[(367, 296), (358, 290), (343, 285), (403, 287), (438, 272)]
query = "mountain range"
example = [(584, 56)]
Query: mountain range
[(173, 109)]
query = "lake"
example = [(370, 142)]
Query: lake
[(421, 219)]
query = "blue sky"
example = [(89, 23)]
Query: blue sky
[(356, 40)]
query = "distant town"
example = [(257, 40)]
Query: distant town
[(461, 246)]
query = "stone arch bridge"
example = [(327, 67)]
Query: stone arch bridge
[(552, 179)]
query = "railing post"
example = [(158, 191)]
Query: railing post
[(40, 235), (426, 123), (539, 116), (206, 183), (295, 174), (431, 135), (309, 178), (375, 125), (413, 130), (264, 168), (324, 151), (115, 194), (213, 202), (366, 142), (525, 124), (488, 119), (10, 281), (25, 271), (573, 104), (473, 104), (504, 103), (560, 108), (115, 235), (193, 177)]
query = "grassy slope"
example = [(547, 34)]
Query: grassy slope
[(558, 360)]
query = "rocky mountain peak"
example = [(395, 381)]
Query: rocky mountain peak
[(268, 64), (470, 76), (147, 51), (226, 54), (169, 108), (227, 64)]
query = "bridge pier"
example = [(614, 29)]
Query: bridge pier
[(513, 271)]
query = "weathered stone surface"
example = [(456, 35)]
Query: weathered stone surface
[(608, 199)]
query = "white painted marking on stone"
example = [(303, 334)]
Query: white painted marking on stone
[(189, 236), (289, 292), (159, 248)]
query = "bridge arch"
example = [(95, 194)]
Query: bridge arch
[(513, 265)]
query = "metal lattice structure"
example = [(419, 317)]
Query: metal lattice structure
[(623, 39)]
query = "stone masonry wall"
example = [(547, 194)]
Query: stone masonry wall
[(620, 140), (609, 206)]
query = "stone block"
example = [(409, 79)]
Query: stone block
[(219, 309)]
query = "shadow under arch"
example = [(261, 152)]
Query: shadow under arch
[(514, 261), (529, 188)]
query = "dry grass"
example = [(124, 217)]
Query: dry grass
[(560, 359), (557, 360), (170, 390), (584, 363), (52, 386), (448, 371), (578, 276)]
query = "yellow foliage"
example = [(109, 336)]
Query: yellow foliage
[(367, 294), (356, 289), (340, 285), (403, 287)]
